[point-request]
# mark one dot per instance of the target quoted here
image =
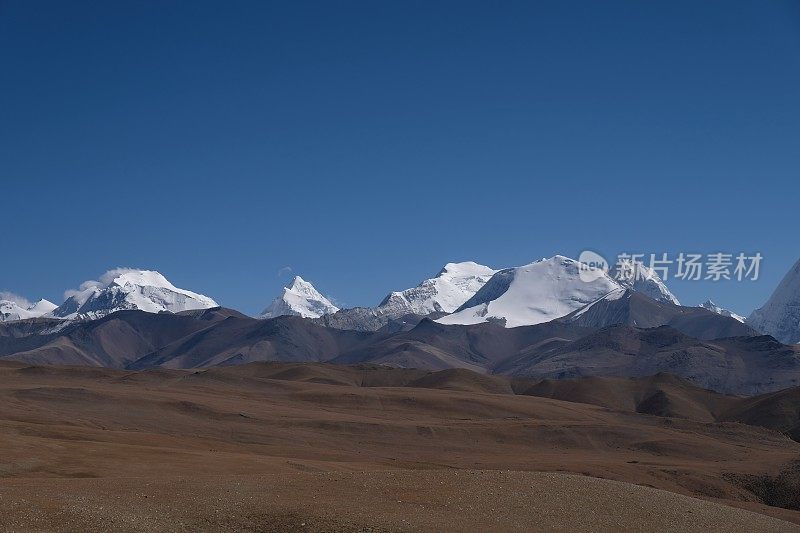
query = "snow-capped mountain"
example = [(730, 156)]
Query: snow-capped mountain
[(533, 294), (711, 306), (21, 310), (642, 279), (125, 289), (300, 298), (453, 285), (780, 316), (42, 307)]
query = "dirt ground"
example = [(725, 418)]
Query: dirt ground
[(231, 449)]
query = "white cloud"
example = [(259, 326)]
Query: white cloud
[(16, 298), (284, 270), (104, 281)]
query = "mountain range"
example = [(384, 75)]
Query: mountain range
[(539, 320), (139, 340), (444, 293), (460, 293), (14, 308), (549, 289), (711, 306)]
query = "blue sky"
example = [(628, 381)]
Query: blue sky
[(364, 145)]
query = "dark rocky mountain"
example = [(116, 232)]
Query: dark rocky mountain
[(478, 347), (112, 341), (735, 365), (557, 350), (632, 308), (238, 340), (371, 319)]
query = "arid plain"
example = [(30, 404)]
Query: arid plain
[(275, 446)]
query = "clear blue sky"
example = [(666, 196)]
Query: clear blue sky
[(366, 144)]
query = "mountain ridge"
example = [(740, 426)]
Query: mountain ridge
[(13, 310), (129, 289), (219, 337)]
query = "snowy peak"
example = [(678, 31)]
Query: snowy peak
[(19, 309), (780, 316), (532, 294), (299, 283), (128, 289), (42, 307), (465, 269), (453, 285), (635, 275), (10, 311), (300, 298), (143, 278), (714, 308)]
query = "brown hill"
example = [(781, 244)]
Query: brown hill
[(778, 410), (660, 395), (86, 440)]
